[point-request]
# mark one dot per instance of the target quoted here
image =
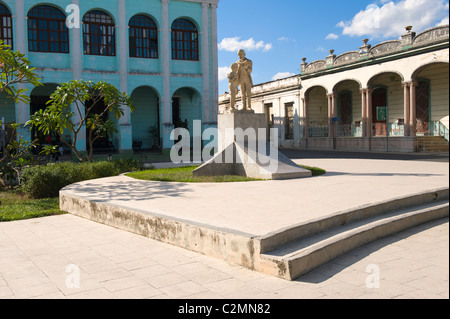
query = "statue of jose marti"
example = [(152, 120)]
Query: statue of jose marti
[(241, 74)]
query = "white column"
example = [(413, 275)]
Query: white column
[(125, 142), (364, 113), (412, 111), (297, 119), (76, 49), (123, 52), (369, 113), (215, 64), (77, 67), (205, 63), (330, 115), (22, 108), (305, 117), (406, 108), (165, 60)]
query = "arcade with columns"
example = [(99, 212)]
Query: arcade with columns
[(392, 96)]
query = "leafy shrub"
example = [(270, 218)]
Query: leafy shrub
[(46, 181)]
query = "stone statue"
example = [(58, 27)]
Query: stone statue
[(245, 68), (233, 85)]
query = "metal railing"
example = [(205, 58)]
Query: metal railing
[(318, 130), (349, 130), (393, 129), (437, 128)]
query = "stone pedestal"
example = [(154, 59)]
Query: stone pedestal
[(229, 124), (243, 150)]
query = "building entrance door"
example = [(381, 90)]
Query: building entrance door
[(379, 100)]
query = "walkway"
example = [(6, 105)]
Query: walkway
[(36, 258), (41, 258)]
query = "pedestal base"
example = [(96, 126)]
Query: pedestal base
[(244, 151), (239, 160)]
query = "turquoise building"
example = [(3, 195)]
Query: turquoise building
[(163, 53)]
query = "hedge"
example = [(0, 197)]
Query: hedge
[(46, 181)]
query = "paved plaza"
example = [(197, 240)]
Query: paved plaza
[(71, 257), (37, 256)]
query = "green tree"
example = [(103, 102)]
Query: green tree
[(15, 69), (71, 107), (14, 153)]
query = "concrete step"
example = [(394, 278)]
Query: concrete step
[(433, 144), (297, 257)]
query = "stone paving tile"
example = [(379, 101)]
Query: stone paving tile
[(138, 264), (138, 292), (206, 294), (206, 276), (142, 268), (99, 293), (110, 274), (429, 284), (5, 292), (252, 293), (183, 289), (342, 290), (166, 279), (151, 271), (389, 289), (227, 286), (122, 283), (419, 294), (25, 292), (269, 284), (298, 292)]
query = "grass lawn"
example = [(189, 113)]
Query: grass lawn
[(17, 206), (185, 175)]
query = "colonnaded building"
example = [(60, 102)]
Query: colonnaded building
[(163, 53), (392, 96)]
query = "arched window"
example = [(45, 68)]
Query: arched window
[(143, 37), (47, 30), (99, 36), (6, 26), (184, 40)]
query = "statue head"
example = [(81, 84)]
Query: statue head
[(234, 67), (241, 53)]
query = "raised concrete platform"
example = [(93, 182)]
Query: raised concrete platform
[(257, 224)]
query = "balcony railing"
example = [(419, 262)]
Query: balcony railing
[(318, 130), (349, 130), (394, 129)]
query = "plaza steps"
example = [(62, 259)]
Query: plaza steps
[(286, 253), (294, 252), (432, 144)]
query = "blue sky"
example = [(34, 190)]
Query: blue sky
[(278, 34)]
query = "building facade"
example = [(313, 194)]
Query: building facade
[(163, 53), (392, 96)]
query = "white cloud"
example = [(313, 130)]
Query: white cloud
[(282, 75), (223, 72), (332, 36), (390, 19), (444, 21), (235, 44)]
